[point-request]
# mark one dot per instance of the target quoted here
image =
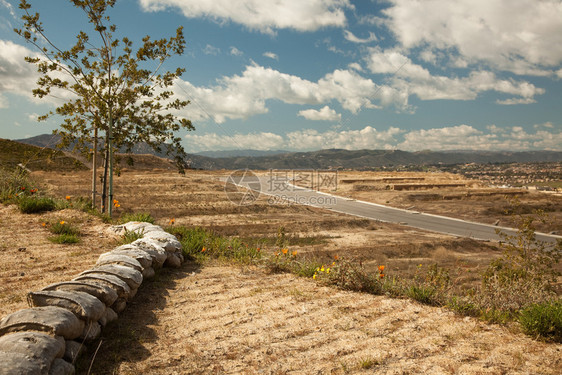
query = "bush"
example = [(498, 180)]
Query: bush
[(62, 227), (33, 204), (543, 320)]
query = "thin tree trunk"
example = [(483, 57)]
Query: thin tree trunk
[(104, 181), (94, 167)]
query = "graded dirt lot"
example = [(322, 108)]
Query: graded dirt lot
[(227, 319)]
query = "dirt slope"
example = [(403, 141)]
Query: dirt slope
[(227, 320)]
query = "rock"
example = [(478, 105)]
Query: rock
[(102, 292), (121, 288), (132, 277), (84, 305), (56, 321)]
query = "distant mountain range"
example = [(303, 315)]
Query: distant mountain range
[(334, 158)]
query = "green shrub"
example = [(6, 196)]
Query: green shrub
[(65, 238), (423, 294), (543, 320), (34, 204), (131, 236), (63, 227), (136, 216)]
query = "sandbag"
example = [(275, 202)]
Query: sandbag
[(119, 305), (168, 241), (73, 349), (37, 346), (123, 260), (144, 258), (84, 305), (132, 277), (56, 321), (154, 248), (121, 288), (21, 364), (102, 292), (173, 260), (92, 331), (61, 367), (148, 273)]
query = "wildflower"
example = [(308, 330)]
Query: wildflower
[(381, 275), (61, 222), (258, 249), (294, 253), (327, 270), (336, 257), (322, 269), (22, 188), (115, 201), (33, 191), (203, 249), (333, 263), (285, 251), (314, 276), (68, 197), (172, 221), (381, 268), (43, 224)]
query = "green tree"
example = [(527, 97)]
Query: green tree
[(112, 92)]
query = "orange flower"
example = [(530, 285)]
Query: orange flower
[(381, 268), (336, 257), (68, 197), (294, 253), (172, 221), (203, 249), (285, 251), (381, 275), (61, 222), (23, 188), (44, 224)]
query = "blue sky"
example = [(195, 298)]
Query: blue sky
[(308, 75)]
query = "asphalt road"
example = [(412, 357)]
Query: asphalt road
[(280, 190)]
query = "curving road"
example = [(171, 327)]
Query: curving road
[(283, 191)]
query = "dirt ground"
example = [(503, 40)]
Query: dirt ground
[(225, 319)]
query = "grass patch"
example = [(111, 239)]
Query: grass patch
[(131, 236), (34, 204), (65, 239), (136, 216)]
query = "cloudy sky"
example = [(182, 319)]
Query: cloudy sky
[(314, 74)]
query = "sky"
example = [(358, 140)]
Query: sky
[(302, 75)]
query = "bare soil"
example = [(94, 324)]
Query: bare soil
[(225, 319)]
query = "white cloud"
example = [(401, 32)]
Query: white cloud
[(348, 35), (263, 15), (16, 75), (324, 114), (417, 80), (245, 95), (10, 8), (235, 51), (211, 50), (458, 137), (271, 55), (521, 36)]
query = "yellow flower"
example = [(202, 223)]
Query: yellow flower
[(322, 269), (314, 277), (327, 270)]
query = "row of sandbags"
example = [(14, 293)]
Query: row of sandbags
[(48, 337)]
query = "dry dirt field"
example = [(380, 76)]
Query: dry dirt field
[(226, 319)]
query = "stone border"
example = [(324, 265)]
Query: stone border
[(48, 337)]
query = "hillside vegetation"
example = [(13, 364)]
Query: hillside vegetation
[(36, 158)]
